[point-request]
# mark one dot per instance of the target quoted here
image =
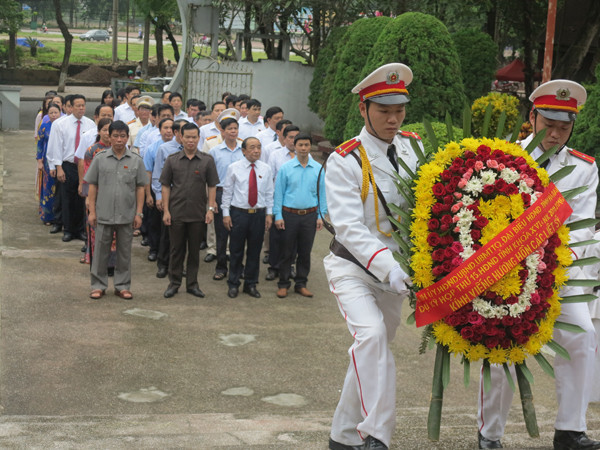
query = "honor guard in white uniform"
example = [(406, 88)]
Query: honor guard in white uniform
[(367, 282), (593, 273), (554, 109)]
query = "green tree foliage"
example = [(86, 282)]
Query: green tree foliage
[(423, 43), (440, 130), (321, 66), (586, 134), (11, 18), (477, 53), (359, 40)]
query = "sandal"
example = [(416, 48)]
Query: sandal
[(124, 294), (219, 276), (136, 233), (96, 294)]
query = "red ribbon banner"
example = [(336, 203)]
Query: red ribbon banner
[(495, 259)]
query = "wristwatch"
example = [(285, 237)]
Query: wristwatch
[(140, 214), (211, 208)]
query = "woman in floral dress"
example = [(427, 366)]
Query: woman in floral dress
[(47, 184)]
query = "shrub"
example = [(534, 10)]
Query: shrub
[(586, 134), (423, 43), (477, 53), (326, 55), (440, 130), (359, 39), (500, 102), (4, 53)]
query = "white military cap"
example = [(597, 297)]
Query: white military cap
[(145, 100), (558, 99), (230, 113), (386, 85)]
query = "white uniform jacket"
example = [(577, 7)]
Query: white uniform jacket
[(353, 220)]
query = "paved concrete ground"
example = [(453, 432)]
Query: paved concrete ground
[(202, 374)]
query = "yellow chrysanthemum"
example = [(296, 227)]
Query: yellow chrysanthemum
[(564, 255), (497, 355), (477, 352), (509, 284), (517, 355)]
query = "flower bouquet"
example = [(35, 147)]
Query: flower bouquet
[(488, 254)]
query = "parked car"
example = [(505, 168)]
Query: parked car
[(95, 35)]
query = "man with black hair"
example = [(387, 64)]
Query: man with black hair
[(125, 112), (230, 101), (193, 107), (252, 124), (164, 97), (211, 129), (203, 118), (153, 135), (224, 155), (247, 206), (116, 179), (176, 101), (272, 117), (188, 181), (62, 144), (296, 209), (278, 143)]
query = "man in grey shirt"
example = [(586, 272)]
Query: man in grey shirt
[(116, 179)]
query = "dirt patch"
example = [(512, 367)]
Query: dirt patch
[(96, 75)]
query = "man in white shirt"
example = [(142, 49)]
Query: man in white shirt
[(247, 207), (125, 112), (272, 117), (143, 108), (277, 144), (252, 124), (64, 140), (211, 129), (176, 101), (192, 107)]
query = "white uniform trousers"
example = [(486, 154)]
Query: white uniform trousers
[(574, 379), (368, 401), (595, 390), (211, 239)]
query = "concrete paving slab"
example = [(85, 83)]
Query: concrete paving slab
[(64, 358)]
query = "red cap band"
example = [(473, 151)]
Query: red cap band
[(382, 88), (551, 102)]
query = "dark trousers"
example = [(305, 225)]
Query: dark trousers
[(298, 237), (72, 204), (247, 230), (275, 243), (164, 246), (154, 227), (222, 236), (182, 235)]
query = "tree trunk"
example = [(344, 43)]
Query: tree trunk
[(146, 46), (159, 50), (572, 59), (68, 37), (71, 13), (528, 30), (315, 39), (12, 50), (247, 31), (173, 42)]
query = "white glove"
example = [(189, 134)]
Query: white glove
[(398, 279)]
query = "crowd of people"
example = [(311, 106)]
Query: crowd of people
[(183, 178)]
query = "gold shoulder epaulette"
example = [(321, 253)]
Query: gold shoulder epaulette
[(212, 137), (131, 121), (345, 148), (409, 134), (586, 158)]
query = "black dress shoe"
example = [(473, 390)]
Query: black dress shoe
[(372, 443), (162, 272), (171, 291), (573, 440), (271, 275), (333, 445), (145, 242), (251, 291), (203, 245), (81, 236), (195, 291), (233, 292), (84, 248), (55, 229), (67, 237), (210, 257), (488, 443), (152, 256)]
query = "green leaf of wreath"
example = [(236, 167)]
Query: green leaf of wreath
[(559, 349), (486, 119), (580, 282), (516, 131), (568, 327), (509, 377), (501, 121), (546, 155), (560, 174), (449, 127), (406, 168), (400, 211), (583, 243), (410, 320), (401, 243), (568, 195), (583, 298), (418, 151), (585, 261), (583, 223), (467, 122), (487, 376), (535, 141), (525, 371), (466, 372), (445, 369), (544, 364), (431, 135)]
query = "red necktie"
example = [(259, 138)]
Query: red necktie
[(77, 134), (252, 187)]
